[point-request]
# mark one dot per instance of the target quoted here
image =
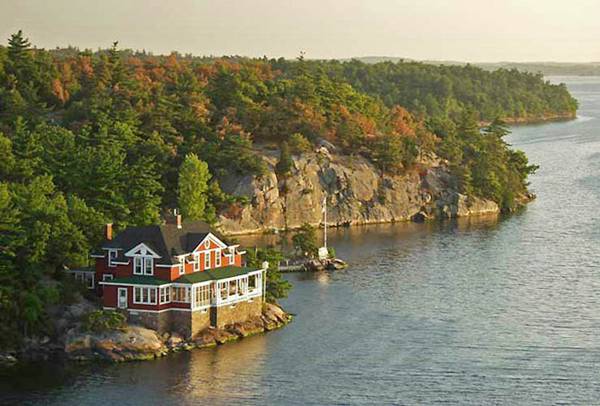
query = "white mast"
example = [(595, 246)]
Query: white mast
[(325, 221)]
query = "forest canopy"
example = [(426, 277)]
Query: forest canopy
[(93, 137)]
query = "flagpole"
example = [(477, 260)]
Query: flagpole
[(325, 221)]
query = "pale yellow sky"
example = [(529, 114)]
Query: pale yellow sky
[(466, 30)]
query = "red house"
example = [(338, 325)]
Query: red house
[(176, 277)]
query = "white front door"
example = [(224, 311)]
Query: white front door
[(122, 298)]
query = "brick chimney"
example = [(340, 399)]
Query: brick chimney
[(108, 232)]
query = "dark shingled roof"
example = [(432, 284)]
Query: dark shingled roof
[(166, 240)]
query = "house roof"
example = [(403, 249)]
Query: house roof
[(214, 274), (196, 277), (166, 240), (139, 280)]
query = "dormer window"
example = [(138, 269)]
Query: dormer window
[(143, 265), (207, 260), (217, 258), (196, 262)]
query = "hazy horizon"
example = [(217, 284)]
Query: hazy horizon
[(465, 31)]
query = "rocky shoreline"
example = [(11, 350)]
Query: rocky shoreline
[(136, 343)]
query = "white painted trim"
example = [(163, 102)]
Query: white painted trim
[(213, 238), (156, 293), (119, 290), (145, 250), (120, 263), (133, 284), (130, 309), (96, 256)]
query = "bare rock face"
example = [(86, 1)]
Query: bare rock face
[(356, 190), (131, 343)]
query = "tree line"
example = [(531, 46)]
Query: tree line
[(120, 136)]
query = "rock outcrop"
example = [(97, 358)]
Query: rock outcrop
[(357, 193), (134, 343)]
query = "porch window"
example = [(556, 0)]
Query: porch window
[(144, 295), (252, 282), (165, 295), (223, 290), (180, 294), (202, 296)]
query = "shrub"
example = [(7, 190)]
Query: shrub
[(299, 144), (103, 320)]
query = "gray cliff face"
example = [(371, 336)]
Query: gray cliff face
[(356, 193)]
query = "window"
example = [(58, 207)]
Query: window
[(180, 294), (203, 296), (86, 278), (165, 295), (181, 268), (207, 244), (143, 265), (223, 290), (196, 262), (217, 258), (107, 277), (207, 260), (112, 254), (148, 266), (137, 265), (144, 295)]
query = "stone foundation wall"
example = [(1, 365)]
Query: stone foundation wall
[(239, 312), (200, 320), (160, 322), (188, 324)]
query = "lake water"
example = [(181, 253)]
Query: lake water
[(471, 312)]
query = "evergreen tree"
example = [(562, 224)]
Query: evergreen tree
[(193, 186), (285, 163)]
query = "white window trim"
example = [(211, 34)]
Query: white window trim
[(218, 258), (207, 260), (164, 294), (107, 277), (143, 265), (147, 289), (112, 254), (119, 290), (196, 262)]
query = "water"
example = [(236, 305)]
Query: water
[(470, 312)]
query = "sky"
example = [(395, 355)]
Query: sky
[(459, 30)]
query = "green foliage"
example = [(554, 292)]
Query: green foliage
[(100, 321), (299, 144), (193, 187), (305, 241), (277, 286), (115, 135), (284, 165)]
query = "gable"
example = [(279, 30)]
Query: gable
[(141, 250), (209, 242)]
